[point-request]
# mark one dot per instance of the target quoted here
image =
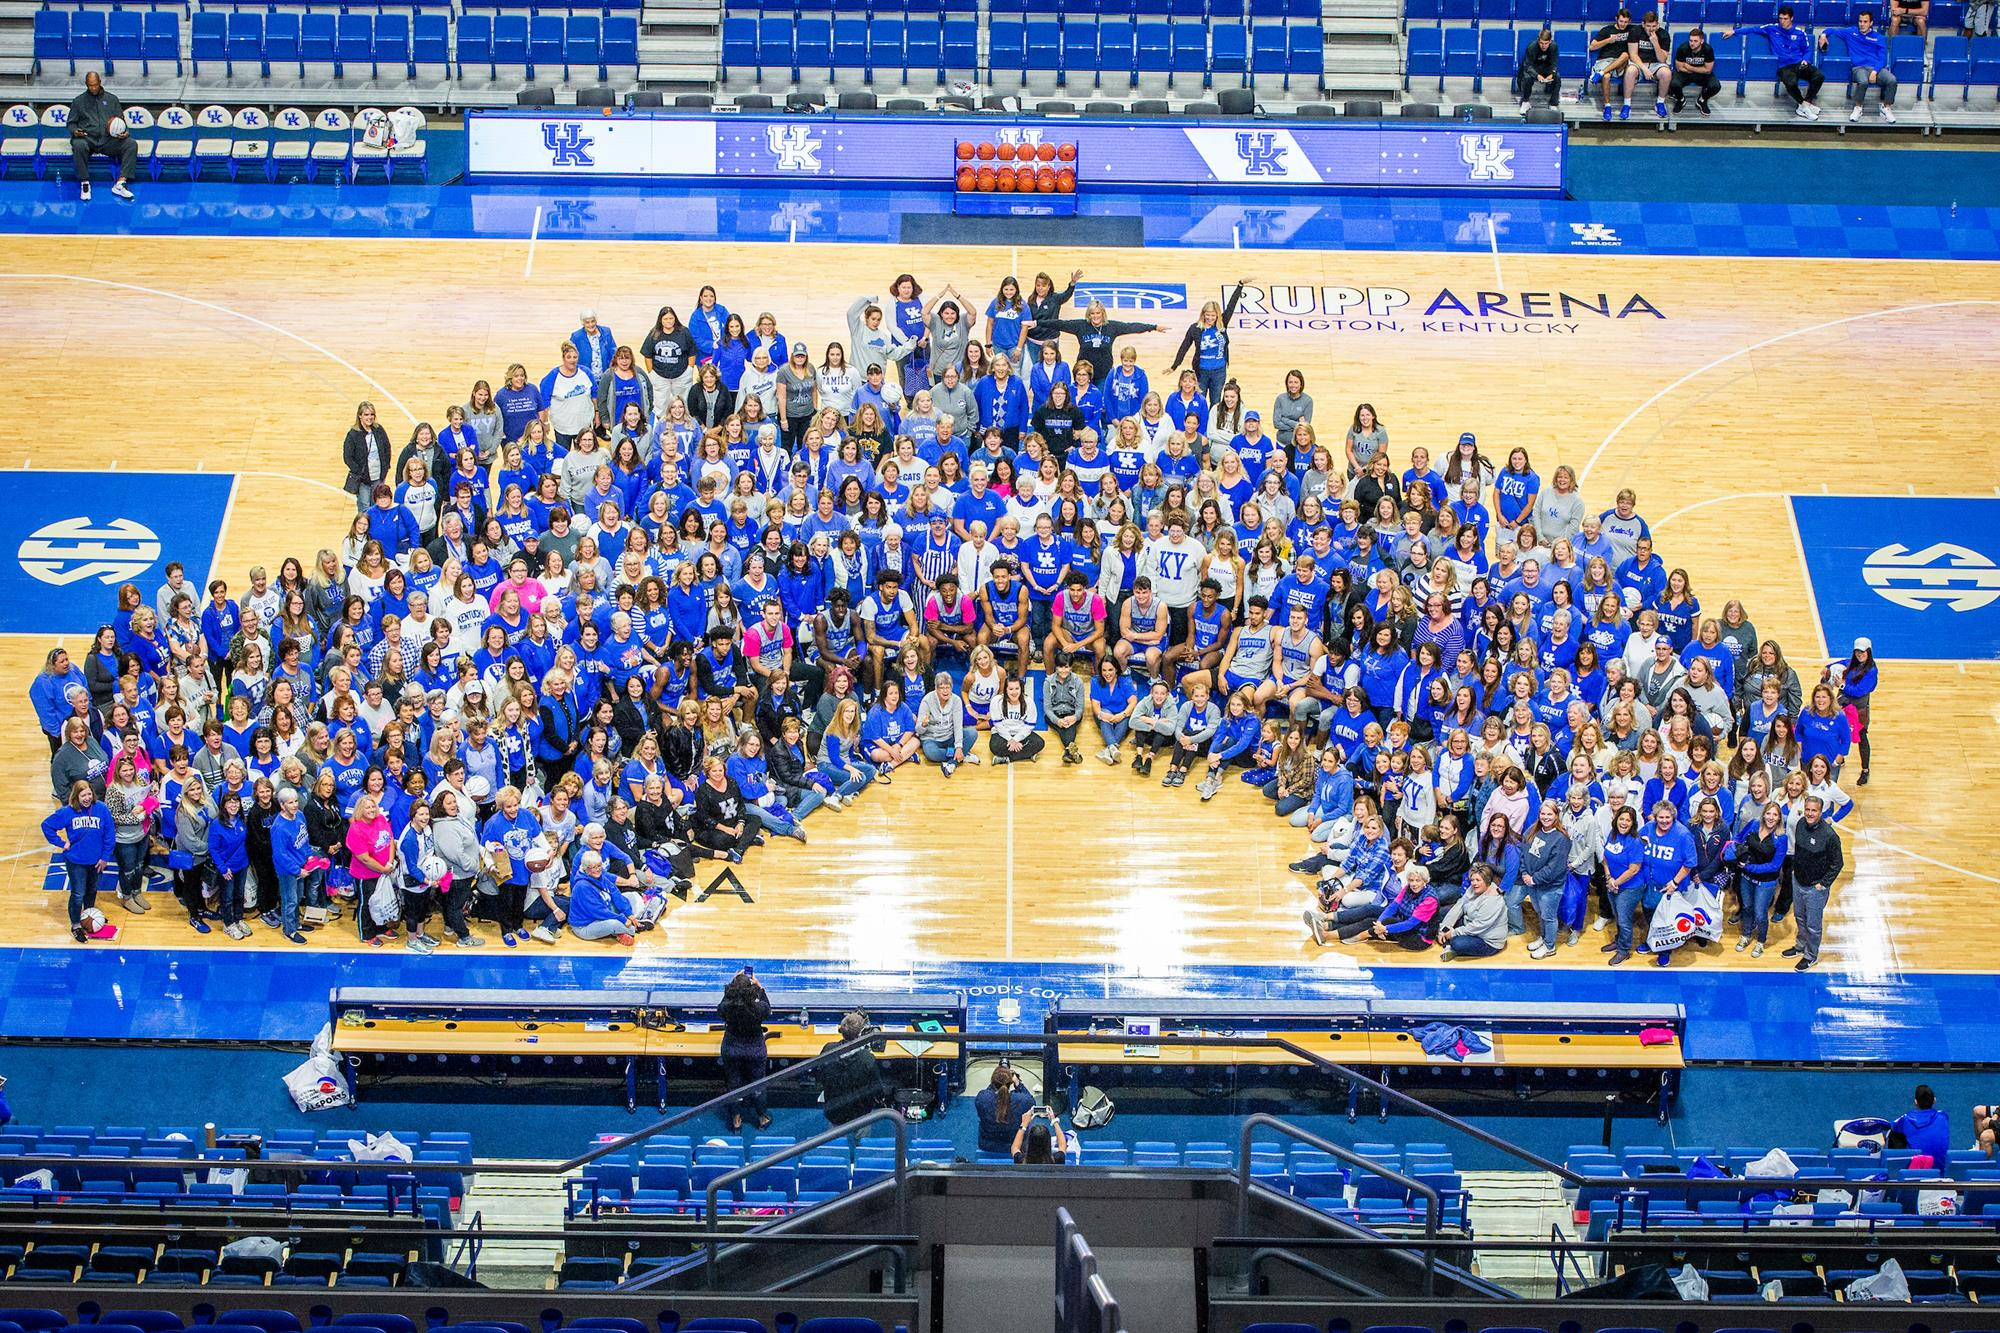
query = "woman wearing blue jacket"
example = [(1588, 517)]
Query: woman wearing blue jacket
[(1624, 878), (229, 852), (291, 848), (82, 829), (1857, 681), (1233, 743), (49, 693), (1499, 848), (1382, 663), (1823, 729), (1544, 871)]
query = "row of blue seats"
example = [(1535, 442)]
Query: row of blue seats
[(1183, 11), (1083, 51), (173, 1263), (1433, 55), (35, 1320), (1957, 1162), (17, 1135), (1681, 15), (434, 1199), (405, 7)]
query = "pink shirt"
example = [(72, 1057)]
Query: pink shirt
[(374, 838)]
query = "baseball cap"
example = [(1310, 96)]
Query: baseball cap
[(1252, 416), (1864, 645), (1468, 438)]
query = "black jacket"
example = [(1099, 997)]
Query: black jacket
[(1535, 62), (354, 452), (1816, 855), (743, 1019), (852, 1083), (1193, 335)]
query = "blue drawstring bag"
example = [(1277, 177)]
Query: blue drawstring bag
[(1575, 900), (180, 860)]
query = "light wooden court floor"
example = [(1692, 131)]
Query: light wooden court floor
[(1765, 377)]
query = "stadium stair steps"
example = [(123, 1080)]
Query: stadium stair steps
[(1517, 1206), (1364, 55), (680, 45), (508, 1202)]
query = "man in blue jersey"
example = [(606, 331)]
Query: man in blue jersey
[(1003, 615), (1869, 50), (1793, 49), (888, 618)]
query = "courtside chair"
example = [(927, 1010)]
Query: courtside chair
[(139, 125), (214, 140), (411, 155), (362, 156), (1154, 59), (51, 40), (20, 144), (1268, 56), (291, 146), (331, 128), (1041, 70), (850, 49), (282, 45), (253, 142), (1305, 55), (1117, 61), (52, 154), (173, 142)]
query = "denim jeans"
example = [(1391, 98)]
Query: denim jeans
[(1471, 946), (1548, 906), (1809, 903), (1211, 382), (131, 867), (288, 902), (858, 774), (1757, 897), (229, 899), (772, 819), (1625, 902), (939, 753), (1113, 732), (1515, 896), (82, 888)]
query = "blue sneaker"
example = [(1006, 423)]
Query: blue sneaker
[(1607, 109), (1625, 112), (1660, 108), (197, 925)]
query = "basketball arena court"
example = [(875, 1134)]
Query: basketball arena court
[(1801, 398)]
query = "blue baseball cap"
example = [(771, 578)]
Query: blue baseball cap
[(1468, 438)]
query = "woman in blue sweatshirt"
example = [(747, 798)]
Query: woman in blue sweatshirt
[(1234, 741), (1624, 877), (1858, 680), (1500, 849), (82, 829), (291, 848), (229, 852), (1823, 729)]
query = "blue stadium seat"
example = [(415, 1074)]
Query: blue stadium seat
[(583, 44), (124, 38), (961, 46), (209, 39), (1497, 58), (354, 46), (51, 41), (775, 54), (1115, 53), (1044, 45), (86, 37), (282, 43), (1267, 53), (430, 41), (1494, 12), (545, 45), (1305, 54), (813, 47), (1424, 57), (317, 43), (850, 43), (1423, 12), (885, 49), (1079, 52), (923, 50), (739, 44), (1190, 55), (1265, 11), (1230, 54), (1951, 65), (391, 48)]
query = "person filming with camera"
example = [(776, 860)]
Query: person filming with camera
[(1002, 1105), (1040, 1140)]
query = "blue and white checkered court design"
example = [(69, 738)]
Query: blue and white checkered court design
[(1920, 577)]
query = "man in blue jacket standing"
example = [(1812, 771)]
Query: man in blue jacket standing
[(1793, 49), (1670, 860), (1869, 50)]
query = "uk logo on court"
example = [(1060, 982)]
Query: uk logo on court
[(76, 535), (1263, 154), (72, 549), (1920, 576)]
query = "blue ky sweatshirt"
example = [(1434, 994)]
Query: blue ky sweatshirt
[(1667, 854), (1867, 50), (1790, 45), (1233, 737), (90, 830)]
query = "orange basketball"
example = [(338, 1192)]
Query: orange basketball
[(607, 110), (1045, 180), (965, 152), (986, 177), (1047, 152), (1006, 182), (1024, 177), (986, 152), (1067, 152), (1007, 152), (967, 178), (1065, 181)]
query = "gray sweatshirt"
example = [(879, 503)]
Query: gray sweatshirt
[(1159, 721), (940, 722), (1557, 516), (1286, 413), (948, 340), (882, 345), (1197, 726), (1062, 700), (958, 403), (191, 829), (1480, 914)]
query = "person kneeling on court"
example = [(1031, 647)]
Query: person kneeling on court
[(598, 908), (1476, 925), (97, 129)]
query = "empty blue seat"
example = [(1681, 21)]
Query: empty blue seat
[(86, 47), (1079, 52), (583, 38), (391, 47), (51, 45), (812, 47), (1007, 45), (354, 45), (850, 43), (208, 38), (430, 39)]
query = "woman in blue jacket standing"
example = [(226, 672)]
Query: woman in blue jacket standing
[(49, 693), (1499, 848), (1383, 662), (1624, 878), (82, 829), (229, 852), (1823, 729), (1544, 872), (291, 848)]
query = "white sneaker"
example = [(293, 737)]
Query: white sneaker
[(1854, 114), (545, 935), (833, 801), (974, 757), (1812, 110), (83, 191), (121, 189), (1888, 113), (1803, 111), (1524, 108)]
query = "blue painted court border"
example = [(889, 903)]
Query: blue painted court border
[(252, 995), (586, 212)]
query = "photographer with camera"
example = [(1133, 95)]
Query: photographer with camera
[(1002, 1106), (746, 1057), (852, 1083)]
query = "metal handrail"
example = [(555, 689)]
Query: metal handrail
[(470, 1239), (897, 1272), (1259, 1257), (820, 1139), (1425, 1190)]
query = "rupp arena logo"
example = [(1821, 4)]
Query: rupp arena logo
[(1133, 295), (1281, 307)]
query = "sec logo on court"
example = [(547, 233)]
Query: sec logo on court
[(77, 535), (1918, 575)]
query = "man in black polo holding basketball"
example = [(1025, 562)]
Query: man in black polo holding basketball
[(97, 128)]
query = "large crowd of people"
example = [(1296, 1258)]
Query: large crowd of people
[(677, 594)]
